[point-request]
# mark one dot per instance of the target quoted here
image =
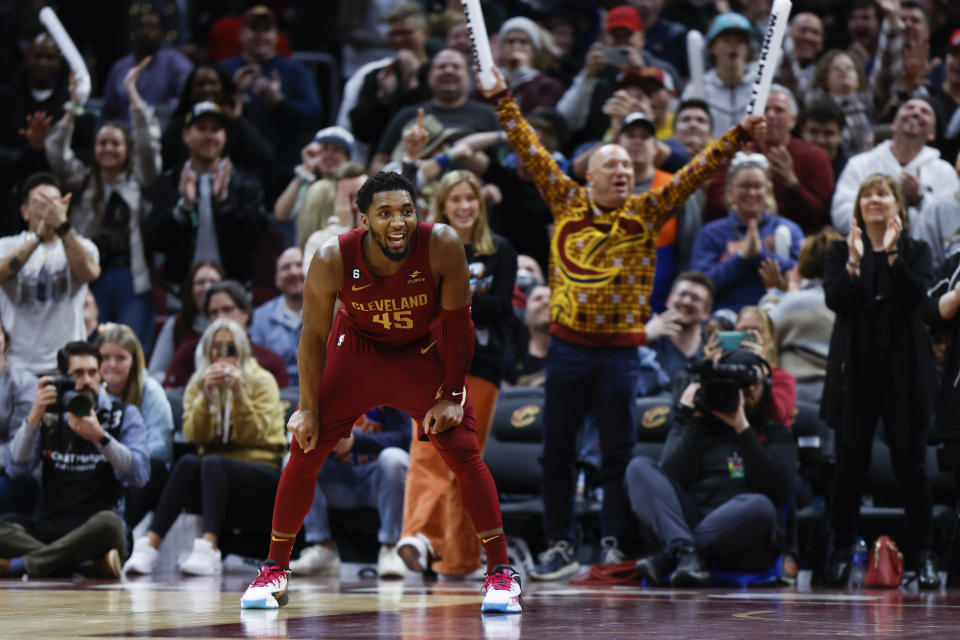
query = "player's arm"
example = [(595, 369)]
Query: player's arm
[(319, 300), (449, 264)]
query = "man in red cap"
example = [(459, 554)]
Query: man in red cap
[(280, 95), (618, 52)]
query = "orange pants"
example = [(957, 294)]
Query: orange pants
[(431, 504)]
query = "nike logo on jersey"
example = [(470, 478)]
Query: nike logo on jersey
[(423, 350), (356, 288)]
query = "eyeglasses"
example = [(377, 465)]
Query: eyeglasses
[(750, 186), (224, 350)]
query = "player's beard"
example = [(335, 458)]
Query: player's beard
[(396, 256)]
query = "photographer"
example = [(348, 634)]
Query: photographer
[(89, 449), (724, 476)]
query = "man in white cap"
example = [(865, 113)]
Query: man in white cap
[(519, 42), (321, 159)]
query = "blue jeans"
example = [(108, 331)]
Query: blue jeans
[(581, 381), (377, 484), (118, 303)]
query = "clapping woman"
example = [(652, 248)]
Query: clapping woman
[(111, 204), (880, 366)]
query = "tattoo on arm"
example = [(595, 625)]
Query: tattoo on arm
[(15, 264)]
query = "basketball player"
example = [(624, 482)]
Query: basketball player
[(402, 337)]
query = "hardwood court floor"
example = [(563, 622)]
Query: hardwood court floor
[(167, 606)]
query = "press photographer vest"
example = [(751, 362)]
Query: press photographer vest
[(78, 481)]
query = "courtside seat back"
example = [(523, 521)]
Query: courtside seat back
[(513, 446), (654, 417)]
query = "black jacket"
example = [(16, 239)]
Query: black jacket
[(699, 453), (908, 356), (239, 221), (493, 278)]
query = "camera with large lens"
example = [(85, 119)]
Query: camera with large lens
[(720, 385), (69, 399)]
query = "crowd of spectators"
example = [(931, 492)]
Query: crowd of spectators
[(608, 204)]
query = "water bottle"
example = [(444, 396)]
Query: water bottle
[(782, 241), (858, 564)]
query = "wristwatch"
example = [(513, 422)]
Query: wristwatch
[(105, 440)]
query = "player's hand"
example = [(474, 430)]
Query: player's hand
[(442, 416), (305, 429)]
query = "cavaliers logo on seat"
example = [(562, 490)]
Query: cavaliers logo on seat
[(655, 416), (524, 416)]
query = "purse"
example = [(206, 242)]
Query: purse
[(885, 565)]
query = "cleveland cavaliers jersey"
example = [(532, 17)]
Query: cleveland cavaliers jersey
[(397, 309)]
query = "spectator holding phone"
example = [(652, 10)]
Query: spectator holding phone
[(619, 51)]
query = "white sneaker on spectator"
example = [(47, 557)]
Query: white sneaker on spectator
[(143, 559), (203, 560), (389, 563), (317, 560), (416, 552)]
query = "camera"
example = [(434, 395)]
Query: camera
[(720, 385), (69, 399)]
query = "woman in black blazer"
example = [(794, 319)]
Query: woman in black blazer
[(880, 365)]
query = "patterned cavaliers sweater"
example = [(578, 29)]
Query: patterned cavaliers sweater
[(602, 262)]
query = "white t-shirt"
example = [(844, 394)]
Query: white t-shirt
[(42, 307)]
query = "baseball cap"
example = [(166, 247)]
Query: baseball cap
[(259, 17), (729, 22), (954, 41), (205, 108), (649, 78), (624, 17), (338, 135), (638, 117), (437, 134)]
